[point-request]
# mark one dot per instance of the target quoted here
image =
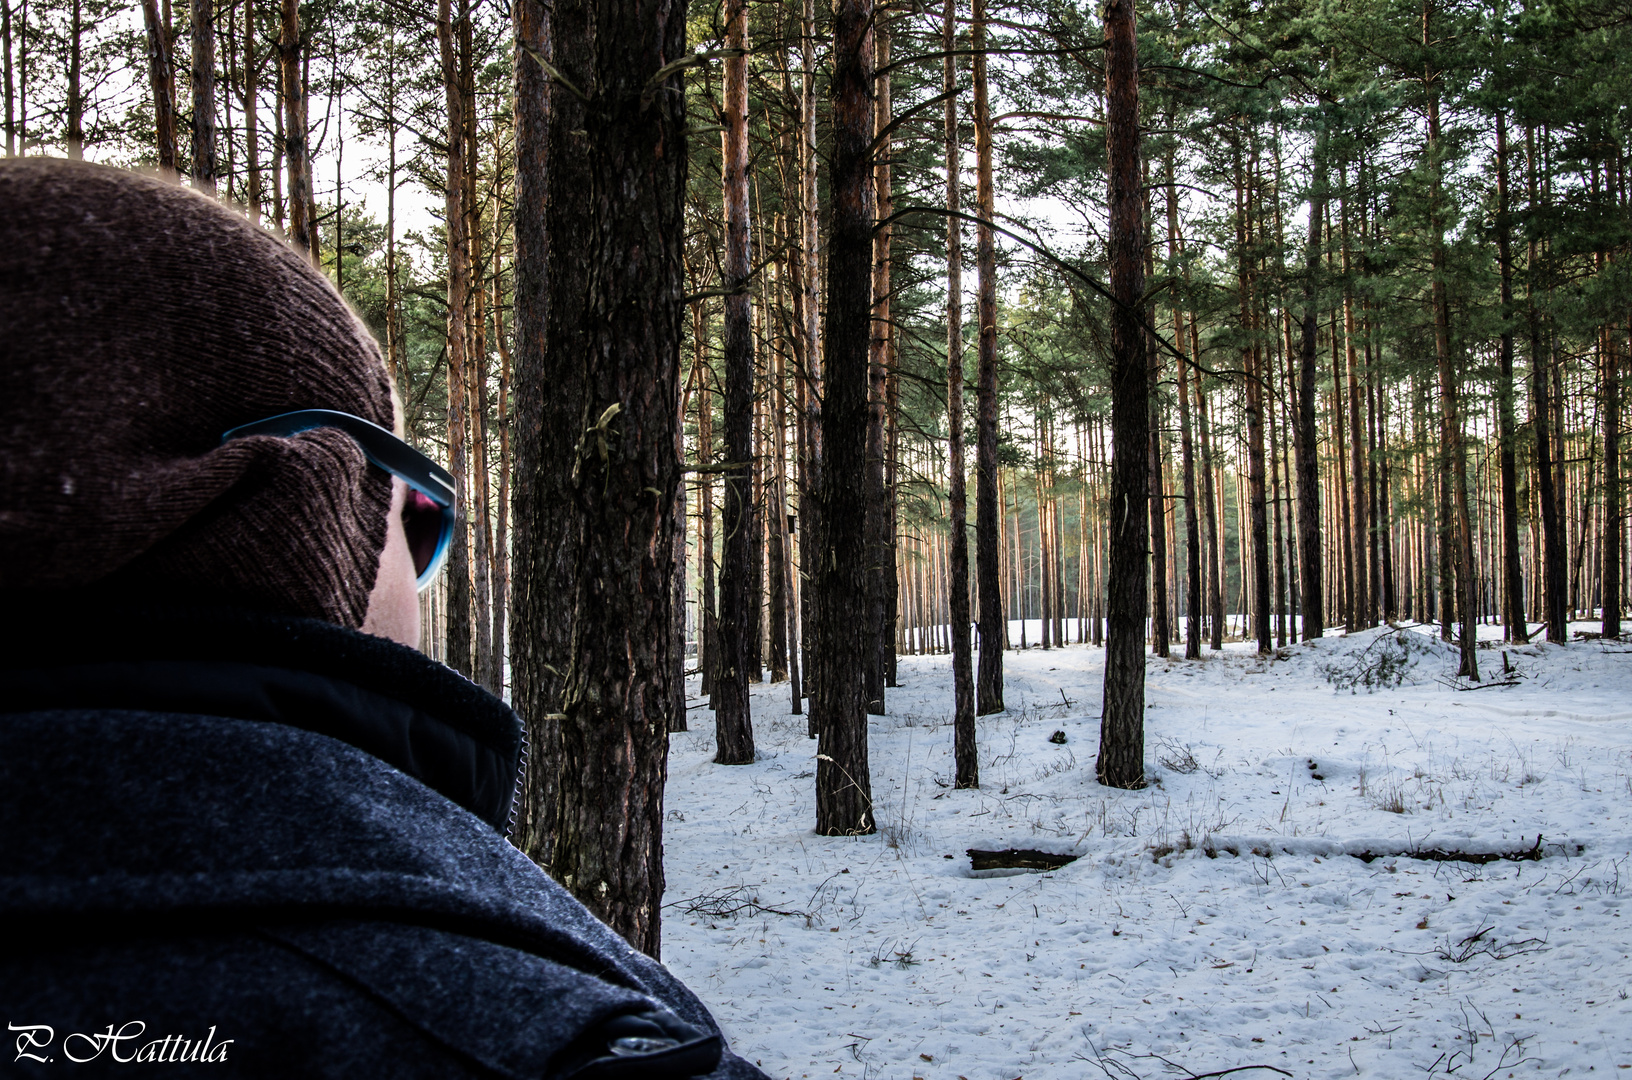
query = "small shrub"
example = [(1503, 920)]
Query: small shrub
[(1384, 664), (1175, 756)]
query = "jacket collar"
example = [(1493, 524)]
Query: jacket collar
[(415, 714)]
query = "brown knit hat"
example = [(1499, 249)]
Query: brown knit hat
[(139, 321)]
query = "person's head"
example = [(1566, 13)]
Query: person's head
[(140, 323)]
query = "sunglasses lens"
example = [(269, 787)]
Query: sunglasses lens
[(422, 522)]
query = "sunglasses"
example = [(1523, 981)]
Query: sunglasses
[(428, 510)]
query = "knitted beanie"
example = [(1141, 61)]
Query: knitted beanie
[(138, 322)]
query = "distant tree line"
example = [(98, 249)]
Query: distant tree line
[(1247, 321)]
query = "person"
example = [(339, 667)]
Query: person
[(246, 828)]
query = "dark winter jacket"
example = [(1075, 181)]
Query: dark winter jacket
[(275, 847)]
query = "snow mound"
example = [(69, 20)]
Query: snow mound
[(1385, 659)]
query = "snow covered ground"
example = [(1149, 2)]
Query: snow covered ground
[(1218, 918)]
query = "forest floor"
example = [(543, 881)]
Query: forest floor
[(1223, 916)]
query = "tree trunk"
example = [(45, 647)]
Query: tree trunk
[(1513, 584), (1304, 438), (1159, 617), (1610, 556), (993, 631), (544, 566), (1552, 556), (10, 85), (790, 613), (1192, 527), (1159, 620), (739, 599), (1209, 504), (964, 750), (776, 502), (1359, 526), (708, 647), (810, 499), (1340, 480), (1561, 476), (1057, 547), (1083, 532), (458, 652), (501, 546), (203, 78), (252, 148), (892, 461), (597, 465), (484, 661), (1385, 512), (1255, 384), (158, 74), (754, 635), (1445, 532), (1450, 419), (486, 657), (880, 563), (1121, 761), (76, 99), (844, 798), (1275, 516), (1045, 564), (277, 144), (291, 50)]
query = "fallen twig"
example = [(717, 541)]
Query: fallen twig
[(1106, 1064), (729, 902), (1479, 858), (1459, 684)]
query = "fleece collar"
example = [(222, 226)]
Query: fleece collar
[(383, 698)]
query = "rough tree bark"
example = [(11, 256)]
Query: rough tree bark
[(1210, 509), (458, 654), (708, 644), (544, 563), (739, 599), (10, 90), (76, 97), (1359, 506), (1045, 551), (1610, 556), (252, 138), (844, 800), (789, 621), (291, 46), (1121, 761), (1160, 616), (1255, 385), (993, 632), (810, 502), (1192, 526), (597, 466), (203, 79), (1552, 526), (501, 532), (963, 680), (158, 75), (1512, 581), (771, 501), (485, 659), (1305, 446), (486, 664), (880, 560), (1450, 418)]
